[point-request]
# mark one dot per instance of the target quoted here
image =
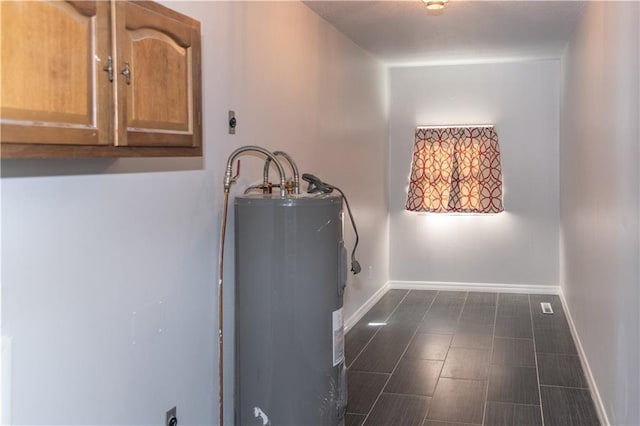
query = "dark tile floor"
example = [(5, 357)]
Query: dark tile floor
[(439, 358)]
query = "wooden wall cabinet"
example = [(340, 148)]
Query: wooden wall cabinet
[(98, 79)]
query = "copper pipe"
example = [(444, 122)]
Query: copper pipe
[(220, 318)]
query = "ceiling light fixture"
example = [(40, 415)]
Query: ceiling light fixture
[(435, 4)]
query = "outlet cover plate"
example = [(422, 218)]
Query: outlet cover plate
[(172, 417)]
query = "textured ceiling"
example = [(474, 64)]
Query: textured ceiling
[(405, 33)]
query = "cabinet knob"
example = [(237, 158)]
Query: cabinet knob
[(109, 68), (126, 72)]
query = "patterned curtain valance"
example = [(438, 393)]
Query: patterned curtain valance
[(455, 169)]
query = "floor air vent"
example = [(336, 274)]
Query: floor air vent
[(546, 308)]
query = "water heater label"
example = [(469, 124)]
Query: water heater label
[(338, 337)]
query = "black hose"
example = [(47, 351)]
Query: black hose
[(355, 265), (318, 186)]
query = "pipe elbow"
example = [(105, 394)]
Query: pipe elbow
[(228, 179), (294, 168)]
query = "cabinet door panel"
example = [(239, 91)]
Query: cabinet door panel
[(161, 68), (53, 89), (159, 105)]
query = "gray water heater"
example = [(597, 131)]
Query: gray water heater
[(291, 269)]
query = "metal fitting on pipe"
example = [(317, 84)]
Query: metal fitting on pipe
[(228, 174), (294, 168)]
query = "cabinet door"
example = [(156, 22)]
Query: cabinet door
[(159, 76), (53, 88)]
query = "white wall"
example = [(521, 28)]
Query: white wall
[(99, 255), (599, 205), (519, 246)]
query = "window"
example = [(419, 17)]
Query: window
[(455, 169)]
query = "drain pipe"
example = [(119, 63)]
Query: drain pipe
[(228, 181), (296, 175)]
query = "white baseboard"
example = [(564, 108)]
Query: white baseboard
[(482, 287), (595, 393), (357, 315)]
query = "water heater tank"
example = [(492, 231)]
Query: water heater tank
[(290, 270)]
